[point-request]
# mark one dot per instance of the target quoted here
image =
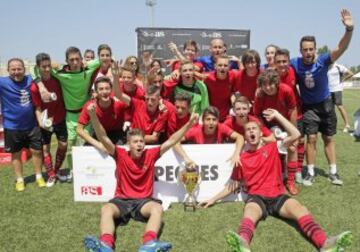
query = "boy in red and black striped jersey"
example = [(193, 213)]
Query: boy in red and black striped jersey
[(288, 76), (56, 111), (281, 97), (135, 170), (260, 173)]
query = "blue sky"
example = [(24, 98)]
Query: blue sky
[(29, 27)]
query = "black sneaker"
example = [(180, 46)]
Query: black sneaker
[(335, 179), (308, 180)]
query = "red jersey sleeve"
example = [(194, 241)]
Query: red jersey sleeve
[(84, 117), (225, 131), (35, 95)]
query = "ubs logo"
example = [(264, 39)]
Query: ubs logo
[(211, 35), (155, 34)]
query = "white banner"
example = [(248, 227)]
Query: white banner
[(94, 173)]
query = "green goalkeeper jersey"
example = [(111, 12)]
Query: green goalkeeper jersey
[(75, 85)]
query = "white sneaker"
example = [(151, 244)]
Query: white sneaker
[(69, 177), (346, 129), (51, 181), (61, 178)]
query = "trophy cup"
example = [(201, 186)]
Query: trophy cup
[(190, 178)]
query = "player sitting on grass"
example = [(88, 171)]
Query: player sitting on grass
[(260, 172), (134, 188)]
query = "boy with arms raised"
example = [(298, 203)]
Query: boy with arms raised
[(260, 172), (135, 181)]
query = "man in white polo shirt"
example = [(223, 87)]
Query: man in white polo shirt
[(336, 75)]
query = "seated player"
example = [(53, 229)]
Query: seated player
[(281, 97), (260, 173), (56, 111), (110, 112), (135, 173), (241, 108)]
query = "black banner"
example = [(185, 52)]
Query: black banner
[(156, 40)]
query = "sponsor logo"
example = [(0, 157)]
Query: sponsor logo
[(91, 190), (211, 34), (154, 34)]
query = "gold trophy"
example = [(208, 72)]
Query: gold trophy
[(190, 178)]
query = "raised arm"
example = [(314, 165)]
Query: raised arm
[(86, 136), (177, 136), (115, 70), (348, 22), (173, 48), (292, 131), (100, 131)]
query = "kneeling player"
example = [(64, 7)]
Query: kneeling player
[(134, 189), (260, 172)]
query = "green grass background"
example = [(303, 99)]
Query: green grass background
[(49, 220)]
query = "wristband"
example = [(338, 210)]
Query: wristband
[(348, 29)]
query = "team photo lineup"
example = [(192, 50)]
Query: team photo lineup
[(272, 113)]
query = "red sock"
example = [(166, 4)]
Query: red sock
[(108, 239), (246, 229), (60, 156), (301, 153), (312, 230), (48, 165), (291, 169), (149, 236)]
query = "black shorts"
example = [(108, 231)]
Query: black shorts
[(336, 98), (269, 206), (320, 117), (15, 140), (130, 208), (60, 131), (117, 137)]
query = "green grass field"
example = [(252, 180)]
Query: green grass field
[(49, 219)]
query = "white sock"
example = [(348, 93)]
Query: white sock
[(333, 169), (38, 175), (310, 168), (19, 179)]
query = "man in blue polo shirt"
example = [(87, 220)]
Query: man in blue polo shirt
[(20, 128), (319, 111), (217, 49)]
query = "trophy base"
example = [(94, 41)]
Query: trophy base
[(189, 207)]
